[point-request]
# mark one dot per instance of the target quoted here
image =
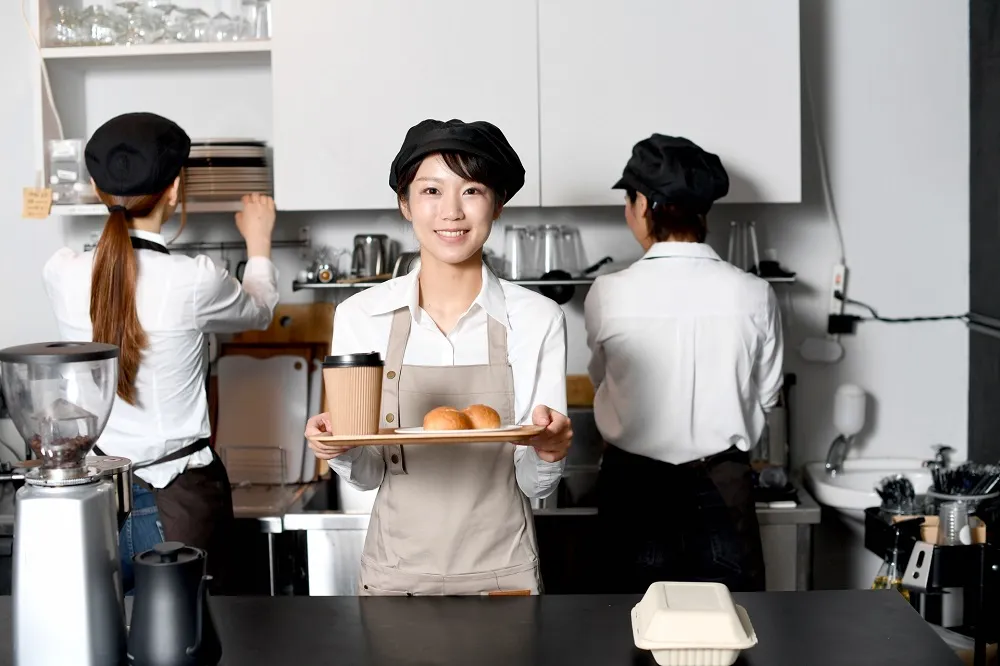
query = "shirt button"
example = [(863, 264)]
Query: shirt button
[(390, 418), (391, 374), (394, 458)]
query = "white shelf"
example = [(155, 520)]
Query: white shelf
[(199, 48), (95, 210)]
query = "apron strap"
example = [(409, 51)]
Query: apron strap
[(183, 452), (398, 335), (497, 336)]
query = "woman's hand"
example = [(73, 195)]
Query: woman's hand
[(256, 223), (318, 425), (552, 444)]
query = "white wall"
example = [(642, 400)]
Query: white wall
[(24, 244), (891, 86)]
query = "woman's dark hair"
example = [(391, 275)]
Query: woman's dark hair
[(681, 222), (470, 167), (113, 312)]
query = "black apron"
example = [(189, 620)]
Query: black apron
[(196, 507)]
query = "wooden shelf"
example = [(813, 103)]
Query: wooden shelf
[(100, 210), (165, 50)]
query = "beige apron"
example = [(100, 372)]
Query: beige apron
[(448, 519)]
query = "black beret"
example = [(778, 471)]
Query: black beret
[(670, 169), (136, 154), (478, 138)]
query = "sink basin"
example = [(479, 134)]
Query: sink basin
[(853, 490)]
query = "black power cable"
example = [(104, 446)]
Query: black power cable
[(875, 316)]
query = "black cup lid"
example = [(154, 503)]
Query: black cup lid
[(53, 353), (169, 552), (369, 360)]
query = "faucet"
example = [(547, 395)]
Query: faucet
[(941, 459), (836, 454)]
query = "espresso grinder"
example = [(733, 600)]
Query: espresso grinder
[(67, 585)]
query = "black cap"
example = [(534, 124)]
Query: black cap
[(478, 138), (136, 154), (670, 169), (369, 360)]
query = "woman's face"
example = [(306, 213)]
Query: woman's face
[(452, 217)]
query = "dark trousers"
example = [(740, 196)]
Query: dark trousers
[(694, 522), (196, 508)]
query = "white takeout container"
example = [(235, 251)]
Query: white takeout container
[(686, 624)]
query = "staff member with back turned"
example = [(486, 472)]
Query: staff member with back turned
[(686, 357), (455, 520), (157, 307)]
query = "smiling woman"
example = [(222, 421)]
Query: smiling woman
[(452, 200), (455, 519)]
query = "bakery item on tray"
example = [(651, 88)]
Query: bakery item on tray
[(483, 417), (446, 418)]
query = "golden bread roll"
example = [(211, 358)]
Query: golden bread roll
[(483, 417), (446, 418)]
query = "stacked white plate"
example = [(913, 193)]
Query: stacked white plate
[(225, 169)]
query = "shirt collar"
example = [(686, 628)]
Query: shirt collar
[(686, 250), (404, 292), (147, 235)]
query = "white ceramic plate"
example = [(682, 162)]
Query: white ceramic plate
[(421, 431)]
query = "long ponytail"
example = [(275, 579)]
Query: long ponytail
[(113, 311)]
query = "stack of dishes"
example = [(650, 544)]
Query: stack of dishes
[(226, 169)]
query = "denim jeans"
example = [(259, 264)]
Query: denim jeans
[(142, 530)]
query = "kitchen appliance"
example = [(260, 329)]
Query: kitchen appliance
[(171, 620), (67, 574), (406, 262), (563, 293), (371, 255)]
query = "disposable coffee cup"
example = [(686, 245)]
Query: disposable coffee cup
[(353, 384)]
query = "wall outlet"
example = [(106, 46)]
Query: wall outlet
[(838, 284)]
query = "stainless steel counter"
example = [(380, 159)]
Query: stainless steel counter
[(806, 513), (269, 504)]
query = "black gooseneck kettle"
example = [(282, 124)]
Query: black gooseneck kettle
[(171, 621)]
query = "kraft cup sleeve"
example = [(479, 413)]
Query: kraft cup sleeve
[(353, 399)]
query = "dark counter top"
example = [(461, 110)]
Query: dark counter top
[(855, 627)]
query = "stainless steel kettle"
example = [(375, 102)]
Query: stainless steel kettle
[(371, 255), (171, 621)]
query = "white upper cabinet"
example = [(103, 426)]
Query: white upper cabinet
[(722, 73), (351, 77)]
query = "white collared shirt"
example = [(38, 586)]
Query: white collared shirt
[(686, 354), (536, 349), (179, 299)]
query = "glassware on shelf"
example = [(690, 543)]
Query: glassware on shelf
[(224, 28), (133, 22)]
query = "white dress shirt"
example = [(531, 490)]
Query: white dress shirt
[(536, 349), (686, 354), (179, 300)]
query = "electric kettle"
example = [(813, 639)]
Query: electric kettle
[(171, 621), (371, 255)]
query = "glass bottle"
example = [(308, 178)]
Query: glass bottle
[(890, 576)]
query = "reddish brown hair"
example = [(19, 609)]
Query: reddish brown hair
[(113, 312)]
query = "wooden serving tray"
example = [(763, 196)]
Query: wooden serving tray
[(389, 437)]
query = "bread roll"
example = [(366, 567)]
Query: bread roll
[(483, 417), (446, 418)]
